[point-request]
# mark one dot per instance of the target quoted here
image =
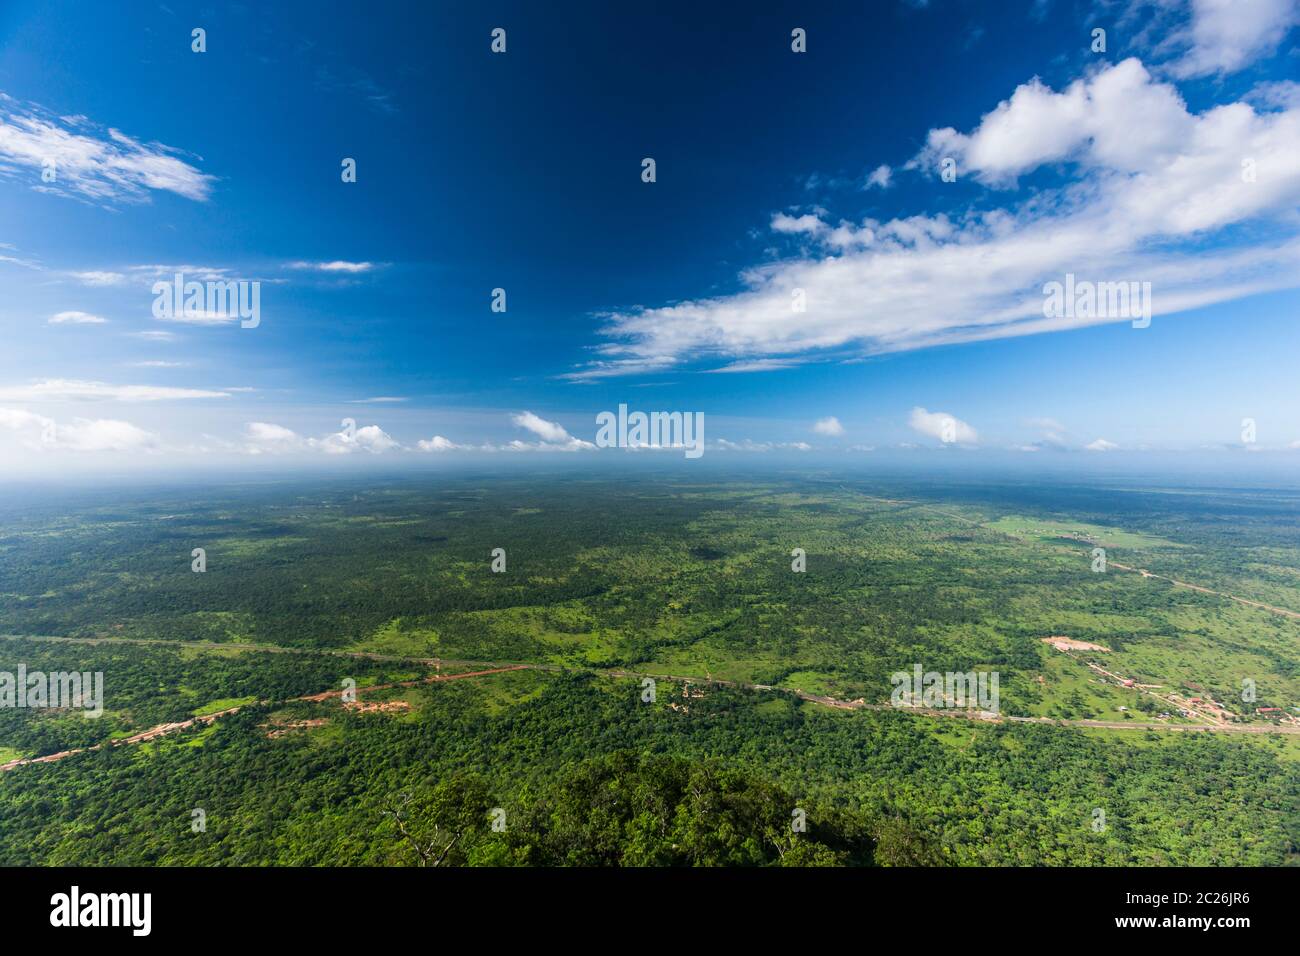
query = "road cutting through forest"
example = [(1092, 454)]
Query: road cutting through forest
[(499, 667), (170, 728)]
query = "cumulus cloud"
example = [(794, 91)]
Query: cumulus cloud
[(828, 426), (943, 426), (76, 318), (39, 433), (369, 438), (269, 438), (91, 162), (1100, 444), (553, 436), (879, 178), (807, 223), (1145, 187), (436, 444), (263, 437), (1227, 35), (547, 431)]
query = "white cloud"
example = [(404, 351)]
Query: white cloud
[(369, 438), (264, 437), (553, 436), (807, 223), (437, 443), (104, 434), (160, 363), (748, 445), (198, 317), (90, 162), (1053, 434), (151, 271), (269, 438), (60, 389), (1277, 94), (757, 365), (38, 433), (335, 266), (377, 400), (880, 177), (154, 335), (1118, 119), (943, 426), (76, 318), (99, 278), (828, 426), (1227, 35), (569, 444), (547, 431), (1101, 444), (1153, 185)]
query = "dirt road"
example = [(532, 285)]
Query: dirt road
[(171, 728)]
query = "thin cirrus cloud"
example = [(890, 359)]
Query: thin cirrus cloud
[(747, 444), (71, 156), (757, 365), (154, 335), (1149, 191), (76, 318), (98, 278), (189, 316), (336, 266), (72, 390)]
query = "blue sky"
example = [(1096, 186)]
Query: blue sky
[(776, 171)]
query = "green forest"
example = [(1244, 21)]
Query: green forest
[(311, 586)]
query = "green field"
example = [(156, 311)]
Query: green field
[(663, 577)]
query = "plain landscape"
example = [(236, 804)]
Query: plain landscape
[(522, 692)]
